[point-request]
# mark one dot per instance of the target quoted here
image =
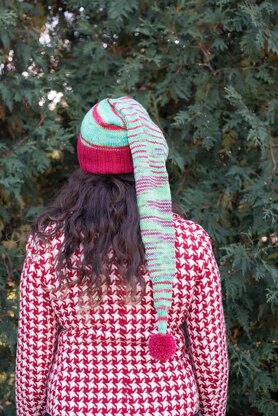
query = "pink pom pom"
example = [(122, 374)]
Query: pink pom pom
[(162, 346)]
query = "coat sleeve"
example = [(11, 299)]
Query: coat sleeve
[(37, 333), (206, 330)]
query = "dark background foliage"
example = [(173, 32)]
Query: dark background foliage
[(207, 73)]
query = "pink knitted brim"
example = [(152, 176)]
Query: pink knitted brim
[(103, 159)]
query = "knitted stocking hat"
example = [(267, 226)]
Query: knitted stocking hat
[(118, 136)]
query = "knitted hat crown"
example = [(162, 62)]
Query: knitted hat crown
[(118, 136)]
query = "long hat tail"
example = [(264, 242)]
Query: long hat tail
[(149, 151)]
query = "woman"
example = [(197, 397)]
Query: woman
[(110, 279)]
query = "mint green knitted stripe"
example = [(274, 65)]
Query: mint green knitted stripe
[(95, 134), (162, 284), (163, 302), (163, 312), (162, 326)]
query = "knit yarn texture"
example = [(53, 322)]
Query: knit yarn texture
[(118, 136)]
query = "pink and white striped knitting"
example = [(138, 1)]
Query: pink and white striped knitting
[(70, 365)]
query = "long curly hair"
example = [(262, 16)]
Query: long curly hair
[(100, 213)]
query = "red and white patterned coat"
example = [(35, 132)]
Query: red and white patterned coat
[(68, 364)]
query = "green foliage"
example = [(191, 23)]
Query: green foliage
[(206, 71)]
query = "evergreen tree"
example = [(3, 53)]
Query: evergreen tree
[(207, 73)]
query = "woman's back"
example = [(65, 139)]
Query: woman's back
[(102, 364)]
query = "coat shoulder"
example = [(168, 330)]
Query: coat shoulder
[(190, 228)]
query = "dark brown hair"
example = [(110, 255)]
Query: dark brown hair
[(99, 211)]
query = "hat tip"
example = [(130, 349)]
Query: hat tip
[(162, 346)]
